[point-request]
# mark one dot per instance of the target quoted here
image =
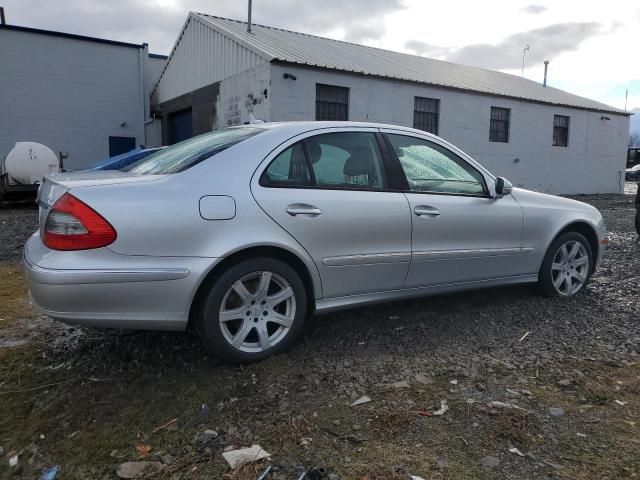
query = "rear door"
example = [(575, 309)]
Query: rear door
[(460, 233), (331, 192)]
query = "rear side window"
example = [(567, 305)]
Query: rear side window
[(188, 153), (289, 168), (350, 160)]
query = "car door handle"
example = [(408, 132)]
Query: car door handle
[(303, 209), (426, 211)]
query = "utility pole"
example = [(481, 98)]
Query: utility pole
[(524, 52), (626, 97)]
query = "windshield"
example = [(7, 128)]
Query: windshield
[(188, 153)]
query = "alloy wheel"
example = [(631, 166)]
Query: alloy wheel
[(257, 311), (570, 268)]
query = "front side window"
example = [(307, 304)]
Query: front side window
[(430, 168), (560, 131), (188, 153), (332, 103), (499, 126), (425, 114)]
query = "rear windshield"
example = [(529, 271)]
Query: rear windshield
[(188, 153)]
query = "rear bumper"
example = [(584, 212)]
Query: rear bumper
[(111, 290)]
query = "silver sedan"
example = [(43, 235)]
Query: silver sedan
[(245, 232)]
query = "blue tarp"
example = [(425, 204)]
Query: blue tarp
[(122, 160)]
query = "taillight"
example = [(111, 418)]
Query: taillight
[(74, 225)]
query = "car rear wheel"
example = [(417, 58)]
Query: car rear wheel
[(567, 266), (254, 309), (638, 221)]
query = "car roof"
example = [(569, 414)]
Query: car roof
[(297, 127)]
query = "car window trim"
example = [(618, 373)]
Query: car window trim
[(396, 160)]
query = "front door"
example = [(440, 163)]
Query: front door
[(330, 192), (180, 126), (460, 233)]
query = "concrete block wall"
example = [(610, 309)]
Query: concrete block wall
[(246, 93), (593, 162), (68, 94), (202, 103)]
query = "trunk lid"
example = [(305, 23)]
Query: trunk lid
[(55, 185)]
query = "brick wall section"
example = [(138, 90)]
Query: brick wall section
[(203, 109)]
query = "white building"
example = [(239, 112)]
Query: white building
[(85, 98), (537, 136)]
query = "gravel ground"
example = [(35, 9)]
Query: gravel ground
[(556, 379), (17, 222)]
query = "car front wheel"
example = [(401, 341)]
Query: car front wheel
[(254, 309), (567, 266)]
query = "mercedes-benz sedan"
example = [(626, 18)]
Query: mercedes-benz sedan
[(245, 232)]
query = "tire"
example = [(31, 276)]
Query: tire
[(561, 273), (236, 329), (638, 221)]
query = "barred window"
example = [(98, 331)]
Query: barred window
[(560, 131), (425, 114), (499, 127), (332, 103)]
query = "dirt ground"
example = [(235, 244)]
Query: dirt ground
[(558, 380)]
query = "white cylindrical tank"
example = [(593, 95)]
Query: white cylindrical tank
[(27, 162)]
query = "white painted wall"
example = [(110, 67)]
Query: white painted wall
[(200, 57), (243, 94), (68, 94), (592, 163)]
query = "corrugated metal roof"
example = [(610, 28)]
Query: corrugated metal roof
[(301, 48)]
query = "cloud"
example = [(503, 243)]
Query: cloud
[(546, 43), (427, 49), (158, 22), (534, 9)]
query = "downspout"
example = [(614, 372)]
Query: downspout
[(142, 51)]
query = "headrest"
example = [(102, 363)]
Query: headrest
[(359, 163), (315, 151)]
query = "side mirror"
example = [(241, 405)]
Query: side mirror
[(503, 187)]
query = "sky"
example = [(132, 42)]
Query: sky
[(593, 46)]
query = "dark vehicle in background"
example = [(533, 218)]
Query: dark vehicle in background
[(632, 174), (123, 160), (633, 157), (638, 210)]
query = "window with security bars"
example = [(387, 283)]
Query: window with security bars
[(425, 114), (560, 131), (332, 103), (499, 127)]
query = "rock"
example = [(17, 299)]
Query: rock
[(236, 458), (138, 469), (556, 412), (453, 382), (360, 401), (481, 387), (489, 462), (401, 384), (423, 379), (333, 476), (564, 382)]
